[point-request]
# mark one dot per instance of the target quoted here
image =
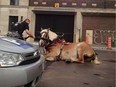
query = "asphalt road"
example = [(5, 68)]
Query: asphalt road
[(61, 74)]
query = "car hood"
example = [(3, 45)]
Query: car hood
[(15, 45)]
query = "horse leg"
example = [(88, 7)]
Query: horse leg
[(81, 57), (50, 56)]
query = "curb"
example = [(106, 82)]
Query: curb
[(104, 48)]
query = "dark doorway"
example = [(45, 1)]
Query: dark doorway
[(59, 23), (12, 21)]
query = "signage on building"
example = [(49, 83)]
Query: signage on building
[(56, 5)]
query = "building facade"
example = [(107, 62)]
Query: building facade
[(77, 19)]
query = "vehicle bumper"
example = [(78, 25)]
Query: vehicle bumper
[(21, 75)]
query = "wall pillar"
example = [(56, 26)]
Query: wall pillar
[(78, 27)]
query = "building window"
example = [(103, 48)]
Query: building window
[(14, 2), (12, 21)]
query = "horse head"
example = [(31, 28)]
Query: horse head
[(46, 36)]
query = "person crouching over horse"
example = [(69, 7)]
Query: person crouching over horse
[(19, 28)]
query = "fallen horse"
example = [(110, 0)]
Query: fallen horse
[(61, 50)]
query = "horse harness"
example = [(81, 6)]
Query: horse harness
[(45, 38), (46, 35), (52, 43)]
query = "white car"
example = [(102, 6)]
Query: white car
[(21, 64)]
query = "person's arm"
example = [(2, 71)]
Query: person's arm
[(29, 33)]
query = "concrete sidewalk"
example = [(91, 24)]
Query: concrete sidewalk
[(102, 47), (94, 46)]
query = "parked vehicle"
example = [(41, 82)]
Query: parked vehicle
[(21, 63)]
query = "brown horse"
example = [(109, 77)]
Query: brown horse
[(73, 52)]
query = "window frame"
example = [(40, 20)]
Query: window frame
[(14, 2)]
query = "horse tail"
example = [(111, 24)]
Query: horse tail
[(96, 60)]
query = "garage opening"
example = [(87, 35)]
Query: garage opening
[(59, 22)]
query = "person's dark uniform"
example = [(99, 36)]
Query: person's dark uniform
[(20, 28)]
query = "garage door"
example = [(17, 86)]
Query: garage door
[(102, 26), (59, 22)]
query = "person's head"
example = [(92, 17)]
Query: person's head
[(27, 20)]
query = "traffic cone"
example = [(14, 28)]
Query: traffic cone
[(109, 43), (86, 40)]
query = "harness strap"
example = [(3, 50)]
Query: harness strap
[(59, 56), (52, 43)]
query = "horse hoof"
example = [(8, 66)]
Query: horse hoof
[(50, 59), (82, 62)]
